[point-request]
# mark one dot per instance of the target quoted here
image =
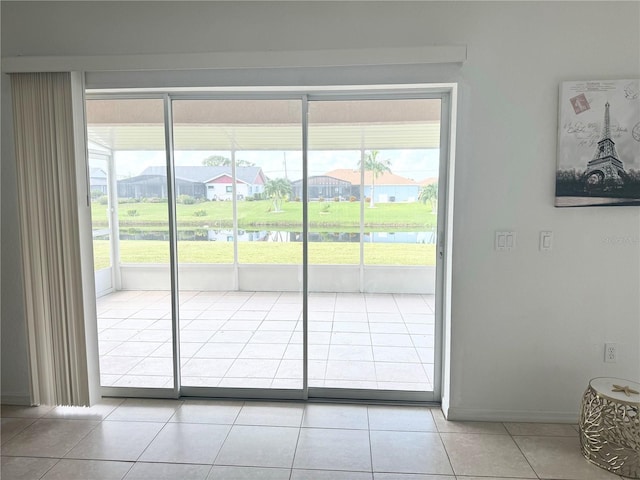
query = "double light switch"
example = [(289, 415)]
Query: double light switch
[(506, 241)]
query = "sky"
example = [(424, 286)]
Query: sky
[(413, 164)]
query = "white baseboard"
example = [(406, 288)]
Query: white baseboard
[(472, 414), (15, 399)]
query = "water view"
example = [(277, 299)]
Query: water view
[(211, 235)]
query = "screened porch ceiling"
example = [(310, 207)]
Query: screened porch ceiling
[(249, 125)]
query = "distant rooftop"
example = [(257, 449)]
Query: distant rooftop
[(353, 177), (203, 174)]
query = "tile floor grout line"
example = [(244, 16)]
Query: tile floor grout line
[(375, 369), (83, 437), (444, 447), (295, 450), (275, 374), (370, 442), (326, 365), (520, 449), (226, 437), (157, 434)]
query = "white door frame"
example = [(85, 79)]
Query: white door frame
[(447, 93)]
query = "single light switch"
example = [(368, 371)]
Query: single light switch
[(546, 241), (509, 241)]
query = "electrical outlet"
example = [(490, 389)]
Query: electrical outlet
[(610, 352)]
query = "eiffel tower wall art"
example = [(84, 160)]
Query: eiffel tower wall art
[(599, 144)]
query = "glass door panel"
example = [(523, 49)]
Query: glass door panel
[(239, 246), (373, 173), (99, 179), (130, 220)]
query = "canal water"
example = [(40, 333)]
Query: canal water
[(210, 235)]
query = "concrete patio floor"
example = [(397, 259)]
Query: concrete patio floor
[(254, 340)]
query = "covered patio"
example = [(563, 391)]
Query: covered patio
[(254, 340), (370, 316)]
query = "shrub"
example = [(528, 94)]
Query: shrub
[(352, 198), (321, 199), (156, 200), (297, 199), (367, 200), (336, 199), (186, 199), (103, 200), (132, 212), (200, 213), (95, 194)]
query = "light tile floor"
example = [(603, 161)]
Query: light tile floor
[(234, 440), (254, 339)]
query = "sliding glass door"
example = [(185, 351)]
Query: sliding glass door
[(373, 179), (239, 242), (129, 194), (267, 245)]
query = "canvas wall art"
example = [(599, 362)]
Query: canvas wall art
[(598, 143)]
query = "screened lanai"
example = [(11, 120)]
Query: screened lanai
[(239, 247)]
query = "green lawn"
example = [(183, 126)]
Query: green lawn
[(150, 251), (400, 216), (323, 216)]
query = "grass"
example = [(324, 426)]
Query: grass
[(157, 252), (346, 215), (338, 216)]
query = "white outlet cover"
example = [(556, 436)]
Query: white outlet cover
[(610, 352)]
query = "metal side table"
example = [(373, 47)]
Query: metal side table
[(610, 425)]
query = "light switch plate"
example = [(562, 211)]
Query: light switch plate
[(505, 241), (546, 241)]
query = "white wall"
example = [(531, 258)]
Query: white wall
[(283, 278), (528, 329)]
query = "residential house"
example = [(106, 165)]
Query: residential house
[(386, 187), (323, 186), (201, 182), (344, 183), (98, 180)]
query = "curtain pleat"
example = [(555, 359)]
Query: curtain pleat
[(43, 126)]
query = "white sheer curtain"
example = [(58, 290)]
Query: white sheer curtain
[(44, 142)]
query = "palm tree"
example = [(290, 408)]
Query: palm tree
[(429, 193), (277, 189), (377, 168)]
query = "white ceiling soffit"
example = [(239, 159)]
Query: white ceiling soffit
[(137, 124), (269, 137), (435, 54)]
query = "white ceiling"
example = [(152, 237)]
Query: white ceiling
[(416, 135)]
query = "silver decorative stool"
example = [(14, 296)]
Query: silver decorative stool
[(610, 425)]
